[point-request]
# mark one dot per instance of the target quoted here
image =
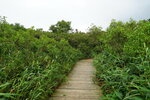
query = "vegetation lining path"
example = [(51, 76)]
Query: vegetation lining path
[(79, 85)]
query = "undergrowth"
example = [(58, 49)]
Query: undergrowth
[(124, 65)]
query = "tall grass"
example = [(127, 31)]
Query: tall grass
[(123, 68), (32, 67)]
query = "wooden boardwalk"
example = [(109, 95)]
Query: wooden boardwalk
[(79, 85)]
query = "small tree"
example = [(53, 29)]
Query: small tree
[(61, 27), (18, 27), (94, 29)]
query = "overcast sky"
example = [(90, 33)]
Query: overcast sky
[(43, 13)]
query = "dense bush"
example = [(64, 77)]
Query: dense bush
[(123, 68), (34, 62), (88, 43), (32, 66), (61, 27)]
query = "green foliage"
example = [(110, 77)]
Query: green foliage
[(18, 27), (61, 27), (31, 65), (94, 29), (88, 43), (34, 62), (123, 67)]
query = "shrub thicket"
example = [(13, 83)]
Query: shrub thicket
[(31, 67), (89, 43), (123, 68), (34, 62)]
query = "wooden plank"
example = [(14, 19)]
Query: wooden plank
[(79, 85)]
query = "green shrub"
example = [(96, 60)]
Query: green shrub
[(123, 67), (30, 67)]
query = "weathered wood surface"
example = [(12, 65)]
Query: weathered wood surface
[(79, 85)]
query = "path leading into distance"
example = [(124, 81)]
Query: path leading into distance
[(79, 85)]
